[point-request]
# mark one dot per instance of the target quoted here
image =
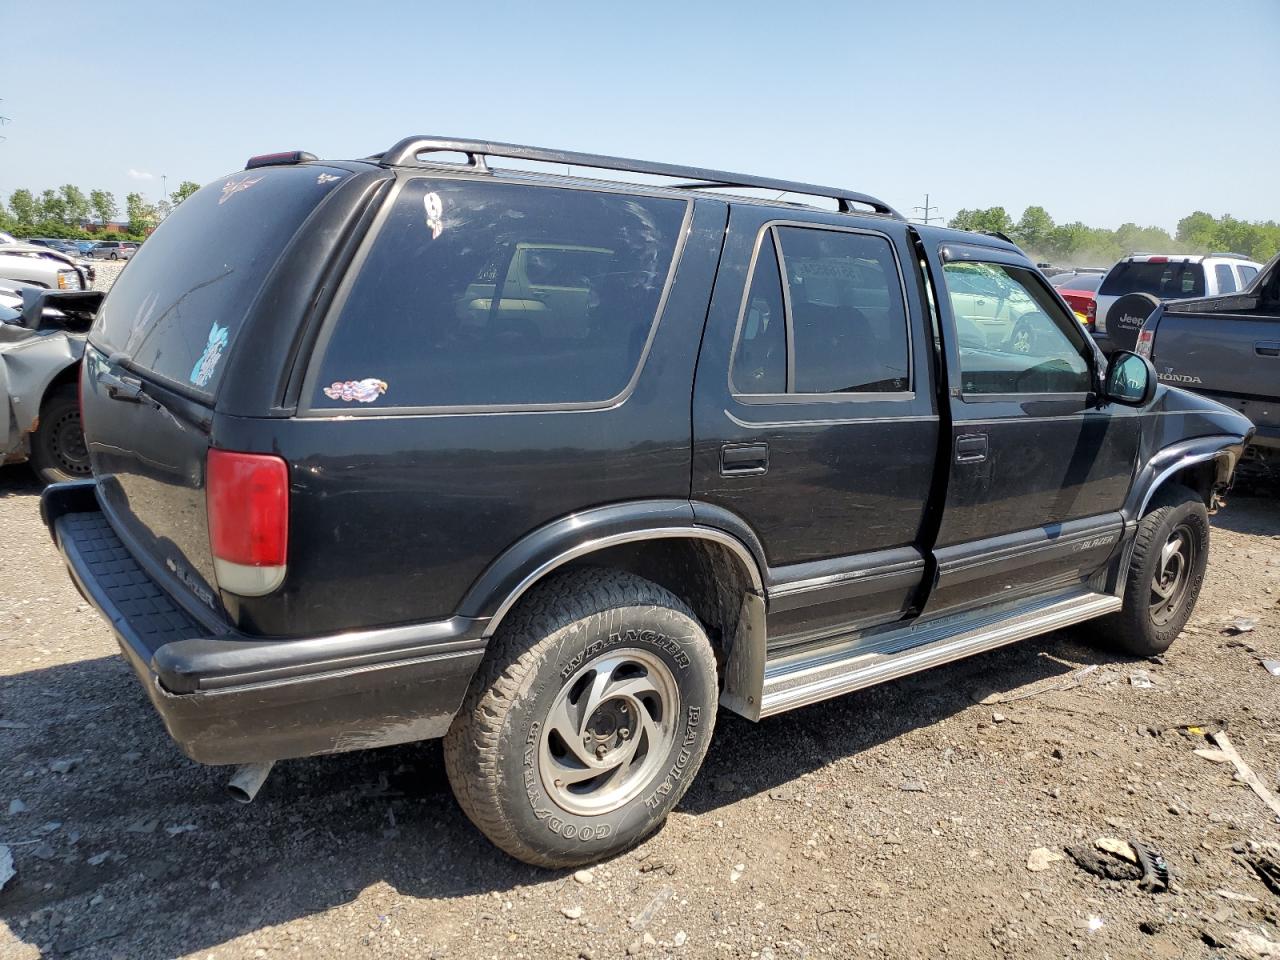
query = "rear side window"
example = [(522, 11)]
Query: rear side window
[(846, 320), (178, 307), (1226, 279), (1164, 280), (1247, 274), (494, 294)]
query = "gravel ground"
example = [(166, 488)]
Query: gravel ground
[(896, 822), (105, 273)]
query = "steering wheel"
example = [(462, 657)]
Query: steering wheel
[(1024, 337)]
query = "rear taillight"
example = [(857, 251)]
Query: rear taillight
[(1146, 339), (247, 496)]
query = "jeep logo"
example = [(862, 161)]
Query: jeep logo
[(1129, 320)]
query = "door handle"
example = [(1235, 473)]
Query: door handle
[(744, 459), (971, 448), (1267, 348)]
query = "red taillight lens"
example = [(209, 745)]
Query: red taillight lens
[(248, 504), (1091, 311)]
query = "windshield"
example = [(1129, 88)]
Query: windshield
[(178, 308)]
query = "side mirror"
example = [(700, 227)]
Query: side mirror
[(1131, 379)]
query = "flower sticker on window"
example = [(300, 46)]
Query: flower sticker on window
[(202, 372), (326, 178), (232, 187), (361, 391), (435, 214)]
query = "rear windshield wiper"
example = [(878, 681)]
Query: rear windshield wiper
[(133, 390)]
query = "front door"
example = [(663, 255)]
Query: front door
[(815, 420), (1039, 467)]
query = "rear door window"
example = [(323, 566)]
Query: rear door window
[(478, 293), (176, 311), (1226, 279), (1247, 274)]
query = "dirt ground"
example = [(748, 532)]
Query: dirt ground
[(896, 822)]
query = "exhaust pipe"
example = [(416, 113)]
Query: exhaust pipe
[(248, 780)]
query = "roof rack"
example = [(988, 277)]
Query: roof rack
[(1228, 255), (476, 151)]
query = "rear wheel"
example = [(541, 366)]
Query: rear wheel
[(58, 450), (1166, 571), (587, 721)]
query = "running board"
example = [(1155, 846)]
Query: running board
[(801, 679)]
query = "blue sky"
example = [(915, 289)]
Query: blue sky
[(1101, 112)]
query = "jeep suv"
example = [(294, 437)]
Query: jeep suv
[(554, 467), (1133, 288)]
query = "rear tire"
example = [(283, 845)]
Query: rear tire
[(587, 720), (1166, 572), (58, 450)]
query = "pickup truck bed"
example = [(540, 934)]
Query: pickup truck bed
[(1227, 348)]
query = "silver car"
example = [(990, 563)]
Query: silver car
[(42, 336), (28, 263), (113, 250)]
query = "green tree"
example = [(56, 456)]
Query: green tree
[(1033, 229), (142, 215), (104, 205), (992, 220), (52, 207), (25, 209), (76, 204), (185, 189), (1197, 230)]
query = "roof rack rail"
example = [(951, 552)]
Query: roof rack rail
[(476, 151), (1228, 255)]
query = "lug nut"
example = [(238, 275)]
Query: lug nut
[(624, 733), (600, 752)]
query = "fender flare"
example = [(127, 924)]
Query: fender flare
[(1223, 450), (580, 534)]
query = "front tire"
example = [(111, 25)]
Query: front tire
[(58, 450), (1166, 572), (587, 720)]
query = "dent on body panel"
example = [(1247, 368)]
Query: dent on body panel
[(30, 367)]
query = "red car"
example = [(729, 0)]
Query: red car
[(1080, 290)]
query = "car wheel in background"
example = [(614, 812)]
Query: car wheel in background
[(1126, 317), (58, 450)]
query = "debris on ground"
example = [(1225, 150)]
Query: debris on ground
[(571, 913), (1143, 680), (645, 917), (1232, 895), (65, 765), (1254, 946), (1103, 865), (912, 786), (1272, 667), (584, 876), (1156, 875), (1041, 858), (1117, 848), (1265, 861), (16, 807), (6, 865), (1052, 685), (1226, 753), (1241, 625)]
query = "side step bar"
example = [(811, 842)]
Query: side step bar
[(799, 680)]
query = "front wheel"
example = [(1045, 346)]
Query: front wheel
[(1166, 571), (587, 721), (58, 449)]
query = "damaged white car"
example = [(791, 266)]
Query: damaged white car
[(42, 337)]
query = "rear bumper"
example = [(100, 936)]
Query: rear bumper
[(228, 698)]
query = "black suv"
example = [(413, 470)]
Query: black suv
[(551, 467)]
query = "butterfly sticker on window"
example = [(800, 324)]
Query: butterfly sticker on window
[(434, 206)]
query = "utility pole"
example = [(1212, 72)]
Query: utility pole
[(164, 188), (928, 212)]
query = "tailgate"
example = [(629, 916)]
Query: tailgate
[(1223, 355), (160, 349)]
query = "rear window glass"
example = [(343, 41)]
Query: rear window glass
[(177, 307), (1163, 280), (1081, 281), (1246, 275), (1226, 279), (493, 294)]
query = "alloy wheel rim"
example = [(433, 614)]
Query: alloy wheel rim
[(1172, 576), (608, 732)]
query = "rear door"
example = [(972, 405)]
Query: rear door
[(815, 421), (1038, 468)]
